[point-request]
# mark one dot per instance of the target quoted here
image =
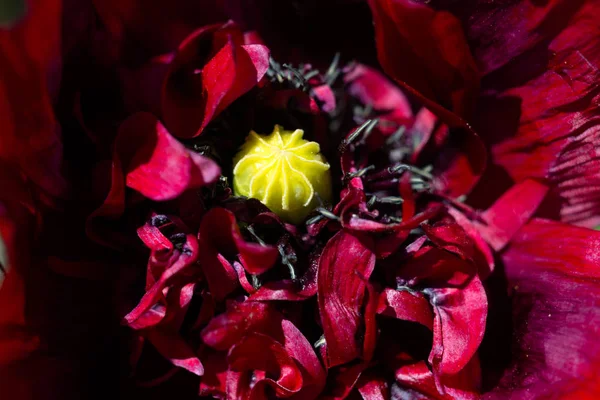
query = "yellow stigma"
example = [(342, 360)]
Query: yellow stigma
[(282, 170)]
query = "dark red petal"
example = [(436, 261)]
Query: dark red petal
[(30, 70), (373, 388), (17, 340), (133, 34), (450, 237), (260, 352), (198, 88), (511, 211), (179, 262), (160, 167), (552, 271), (458, 327), (345, 263), (426, 49), (215, 374), (291, 290), (228, 328), (176, 350), (435, 267), (341, 381), (219, 229), (406, 306), (538, 114), (302, 352), (417, 382), (486, 263)]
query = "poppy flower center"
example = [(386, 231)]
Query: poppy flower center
[(285, 172)]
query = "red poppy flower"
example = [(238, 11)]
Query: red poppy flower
[(132, 267)]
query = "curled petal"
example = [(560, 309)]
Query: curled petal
[(160, 167), (228, 328), (212, 68), (406, 306), (346, 261), (372, 87), (260, 352), (220, 231), (178, 263), (458, 327)]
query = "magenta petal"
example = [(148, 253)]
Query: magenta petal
[(345, 263), (458, 327), (161, 168), (552, 269)]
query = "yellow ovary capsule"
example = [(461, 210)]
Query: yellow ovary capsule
[(285, 172)]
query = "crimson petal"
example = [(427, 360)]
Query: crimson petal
[(345, 263), (219, 230), (458, 326), (553, 271), (227, 329), (260, 352), (161, 168), (538, 112), (200, 85), (426, 49)]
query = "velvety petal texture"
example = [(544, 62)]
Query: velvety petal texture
[(341, 292), (212, 68), (552, 270)]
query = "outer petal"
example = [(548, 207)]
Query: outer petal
[(148, 159), (29, 78), (552, 269), (345, 263), (17, 339), (426, 49), (160, 167), (538, 113), (200, 85)]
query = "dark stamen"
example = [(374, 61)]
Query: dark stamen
[(394, 137), (159, 220), (250, 229), (390, 200), (287, 261), (327, 214), (314, 219), (366, 126)]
